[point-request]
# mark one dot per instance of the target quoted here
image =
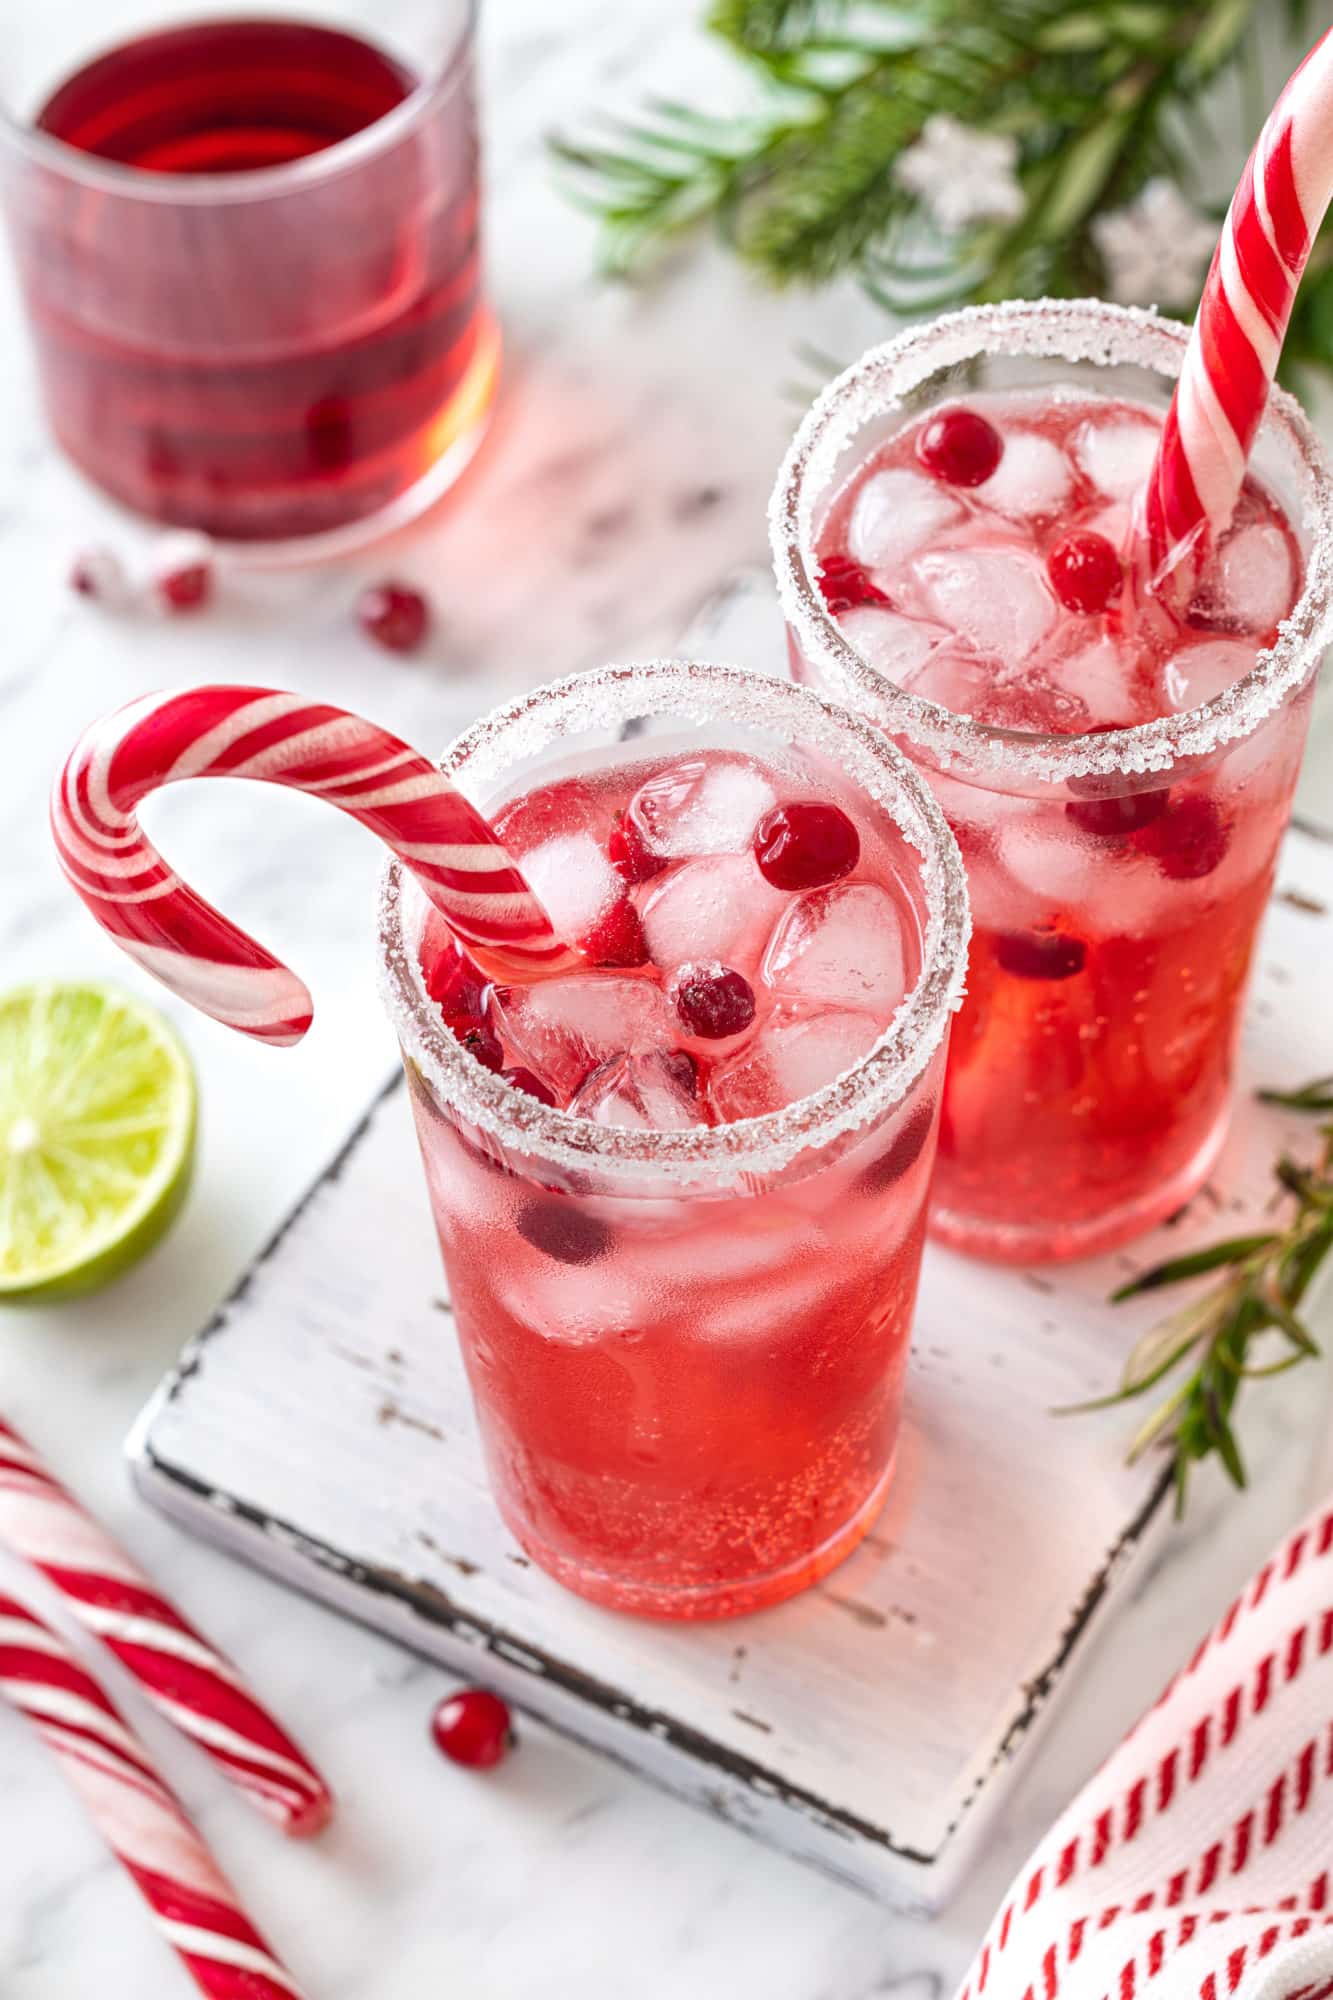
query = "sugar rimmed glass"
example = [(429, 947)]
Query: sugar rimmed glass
[(1081, 1112), (288, 349), (686, 1348)]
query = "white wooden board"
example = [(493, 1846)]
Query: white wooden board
[(320, 1427)]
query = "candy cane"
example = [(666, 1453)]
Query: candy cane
[(193, 1905), (180, 1673), (1243, 316), (285, 739)]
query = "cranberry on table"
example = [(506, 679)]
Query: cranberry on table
[(100, 574), (712, 1001), (630, 855), (528, 1081), (473, 1728), (1085, 570), (1041, 954), (184, 586), (959, 447), (394, 615), (616, 939), (1189, 841), (806, 845), (844, 585)]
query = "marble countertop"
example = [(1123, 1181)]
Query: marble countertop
[(626, 472)]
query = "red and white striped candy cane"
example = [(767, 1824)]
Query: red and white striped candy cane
[(180, 1673), (193, 1905), (285, 739), (1243, 316)]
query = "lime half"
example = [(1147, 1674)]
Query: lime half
[(97, 1123)]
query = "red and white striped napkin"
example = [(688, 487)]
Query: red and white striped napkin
[(1198, 1863)]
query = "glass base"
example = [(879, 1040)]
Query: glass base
[(1057, 1243), (720, 1600)]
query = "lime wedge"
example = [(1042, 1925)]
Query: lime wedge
[(97, 1124)]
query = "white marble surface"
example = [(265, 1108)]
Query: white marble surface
[(627, 470)]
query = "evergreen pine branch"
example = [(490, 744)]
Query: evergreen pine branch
[(1100, 97)]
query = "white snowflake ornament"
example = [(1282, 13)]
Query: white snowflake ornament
[(1156, 250), (962, 176)]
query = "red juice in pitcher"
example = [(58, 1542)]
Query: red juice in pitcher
[(234, 333)]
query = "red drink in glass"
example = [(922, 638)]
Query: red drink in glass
[(1116, 758), (683, 1240), (250, 251)]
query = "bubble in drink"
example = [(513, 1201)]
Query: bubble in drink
[(996, 599), (845, 945), (895, 646), (1115, 454), (564, 1028), (1033, 478), (794, 1053), (702, 807), (895, 514), (719, 907)]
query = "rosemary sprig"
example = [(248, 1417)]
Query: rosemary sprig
[(1100, 94), (1268, 1275)]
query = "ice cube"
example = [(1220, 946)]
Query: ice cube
[(1045, 856), (1033, 477), (896, 513), (702, 806), (573, 881), (719, 907), (1198, 673), (565, 1027), (844, 945), (1250, 585), (1117, 455), (1101, 677), (969, 686), (794, 1053), (652, 1093), (893, 645), (996, 599)]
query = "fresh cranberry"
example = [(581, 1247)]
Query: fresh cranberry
[(530, 1083), (1041, 954), (845, 584), (473, 1728), (959, 447), (616, 938), (1189, 841), (806, 845), (712, 1000), (1109, 819), (630, 855), (185, 588), (477, 1039), (394, 615), (901, 1156), (560, 1230), (1084, 570), (452, 980), (100, 574)]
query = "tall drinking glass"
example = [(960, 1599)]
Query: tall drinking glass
[(686, 1341), (249, 250), (1118, 870)]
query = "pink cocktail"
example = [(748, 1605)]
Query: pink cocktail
[(1116, 754), (250, 253), (681, 1192)]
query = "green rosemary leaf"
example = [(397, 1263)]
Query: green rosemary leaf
[(1233, 1251), (1299, 1263), (1316, 1096), (1157, 1353)]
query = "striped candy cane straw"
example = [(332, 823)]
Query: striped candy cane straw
[(1243, 316), (286, 739), (193, 1906), (179, 1672)]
